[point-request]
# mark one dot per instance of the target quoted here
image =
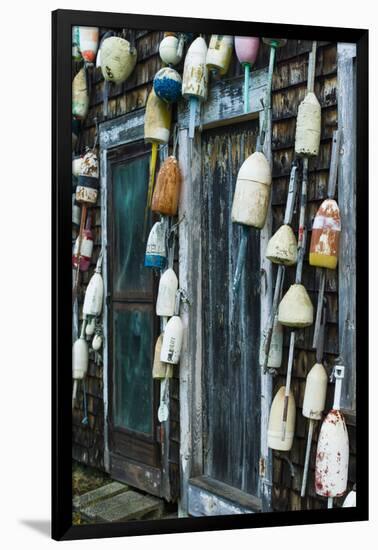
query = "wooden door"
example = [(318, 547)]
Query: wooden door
[(133, 327), (231, 384)]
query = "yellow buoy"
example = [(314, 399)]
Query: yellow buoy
[(296, 309), (282, 247), (219, 54), (307, 135), (275, 421), (80, 97)]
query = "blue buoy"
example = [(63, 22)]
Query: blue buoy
[(167, 85)]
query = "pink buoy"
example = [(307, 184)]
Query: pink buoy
[(246, 48)]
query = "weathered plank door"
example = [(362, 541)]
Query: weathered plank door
[(134, 450), (231, 324)]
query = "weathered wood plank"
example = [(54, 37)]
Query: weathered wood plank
[(347, 203), (225, 102), (208, 497), (124, 130)]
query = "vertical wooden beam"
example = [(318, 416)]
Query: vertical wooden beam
[(346, 106), (266, 461), (190, 279), (104, 244)]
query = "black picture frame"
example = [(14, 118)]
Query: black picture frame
[(62, 528)]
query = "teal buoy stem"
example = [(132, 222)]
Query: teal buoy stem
[(193, 102), (247, 70), (241, 258)]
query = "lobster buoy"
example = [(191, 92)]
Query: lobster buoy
[(276, 345), (332, 453), (79, 358), (80, 96), (88, 43), (172, 341), (219, 54), (252, 192), (167, 190), (97, 342), (170, 49), (195, 77), (315, 392), (350, 500), (246, 48), (307, 134), (275, 421), (87, 188), (159, 369), (325, 237), (76, 166), (282, 246), (83, 260), (94, 294), (295, 308), (91, 326), (76, 55), (75, 211), (156, 255), (168, 285), (157, 122), (167, 85), (118, 59)]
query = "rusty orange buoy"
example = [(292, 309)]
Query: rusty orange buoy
[(324, 247), (167, 190)]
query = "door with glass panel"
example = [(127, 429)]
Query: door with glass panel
[(133, 326)]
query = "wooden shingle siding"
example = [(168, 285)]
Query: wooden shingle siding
[(289, 88)]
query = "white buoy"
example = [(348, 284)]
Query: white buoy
[(195, 79), (97, 342), (296, 309), (160, 370), (332, 453), (80, 358), (350, 500), (282, 246), (307, 136), (94, 295), (90, 328), (170, 50), (80, 96), (275, 440), (172, 341), (315, 392), (276, 345), (168, 285)]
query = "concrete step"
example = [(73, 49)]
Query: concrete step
[(102, 493), (126, 506)]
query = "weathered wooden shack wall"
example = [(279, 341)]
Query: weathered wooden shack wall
[(289, 88)]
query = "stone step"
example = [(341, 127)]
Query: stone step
[(126, 506), (102, 493)]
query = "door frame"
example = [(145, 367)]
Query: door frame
[(223, 107), (121, 131)]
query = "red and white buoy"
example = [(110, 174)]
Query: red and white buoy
[(82, 260), (88, 43), (332, 453)]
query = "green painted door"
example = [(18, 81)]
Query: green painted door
[(134, 450)]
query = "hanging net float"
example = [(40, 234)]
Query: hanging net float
[(219, 53), (167, 85), (167, 189), (88, 43), (247, 49), (80, 95), (117, 59), (325, 237), (275, 440), (195, 79)]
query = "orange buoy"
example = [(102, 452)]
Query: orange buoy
[(325, 238), (167, 189)]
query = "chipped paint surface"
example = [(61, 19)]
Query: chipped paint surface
[(325, 238), (195, 76), (307, 137), (80, 97), (167, 189), (157, 120), (282, 247), (332, 456), (315, 392), (219, 53)]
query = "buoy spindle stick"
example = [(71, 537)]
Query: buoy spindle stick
[(307, 457), (193, 102), (269, 332), (267, 102), (78, 255), (288, 383), (241, 258), (247, 69), (319, 307), (311, 68)]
